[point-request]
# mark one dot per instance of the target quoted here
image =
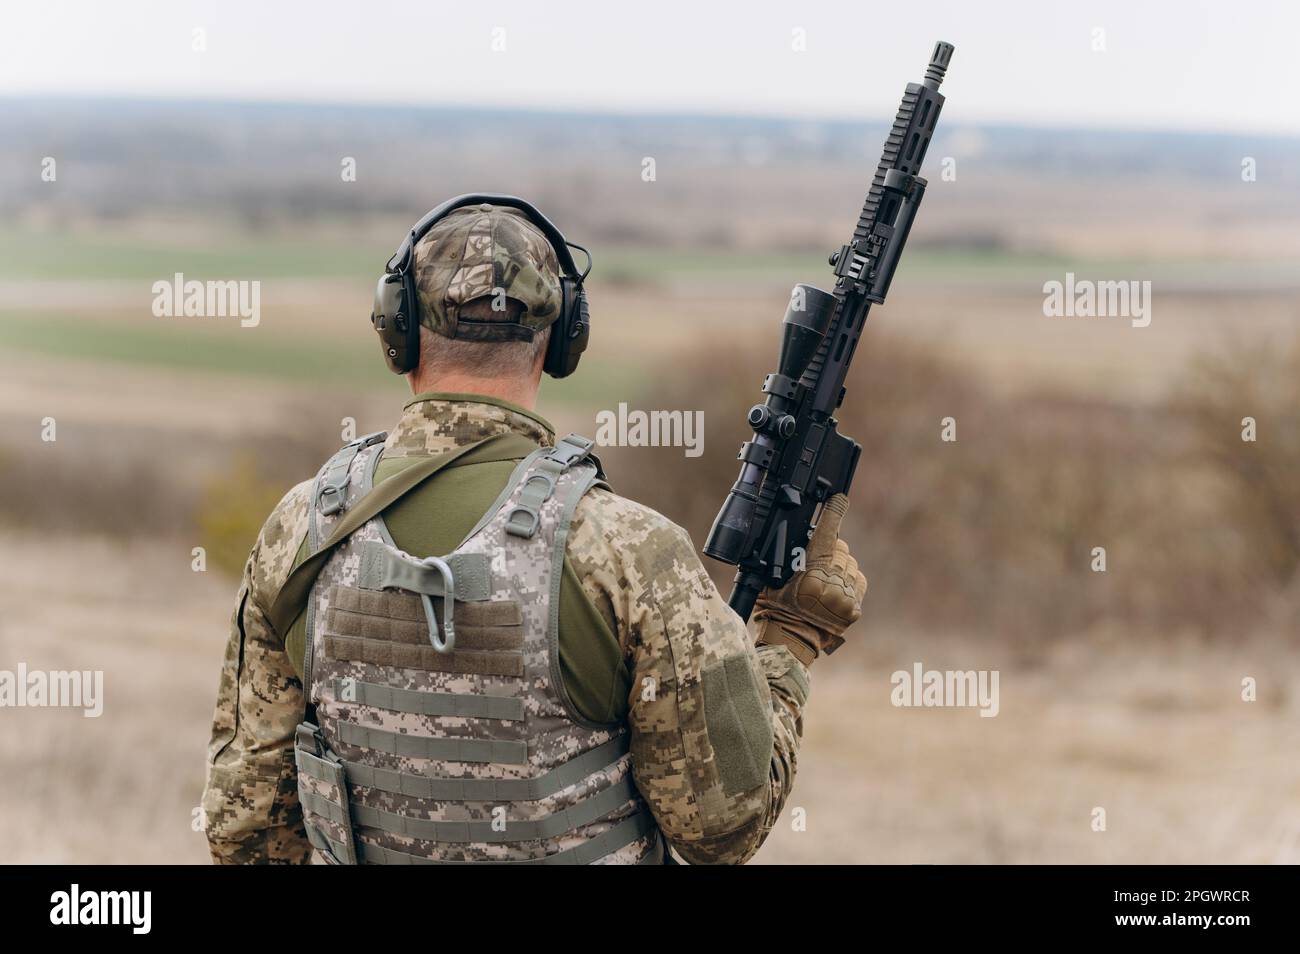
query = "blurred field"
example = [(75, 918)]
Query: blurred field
[(1119, 690), (1151, 729), (1186, 771)]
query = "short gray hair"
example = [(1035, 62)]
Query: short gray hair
[(482, 359)]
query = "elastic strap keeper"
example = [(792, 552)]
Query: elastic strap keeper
[(471, 330)]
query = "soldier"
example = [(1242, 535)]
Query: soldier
[(456, 644)]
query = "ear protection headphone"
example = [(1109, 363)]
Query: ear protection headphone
[(396, 315)]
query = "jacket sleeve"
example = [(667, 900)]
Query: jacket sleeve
[(250, 802), (715, 721)]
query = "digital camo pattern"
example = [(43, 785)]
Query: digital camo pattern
[(250, 801), (674, 624), (522, 572), (486, 251), (642, 574), (251, 812), (432, 427)]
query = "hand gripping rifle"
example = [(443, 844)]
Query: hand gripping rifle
[(797, 459)]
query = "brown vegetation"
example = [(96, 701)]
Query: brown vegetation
[(994, 533)]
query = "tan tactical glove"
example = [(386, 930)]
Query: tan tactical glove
[(810, 613)]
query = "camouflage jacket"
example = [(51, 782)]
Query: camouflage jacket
[(639, 570)]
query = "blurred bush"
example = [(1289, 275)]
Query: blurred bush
[(61, 487), (231, 511), (991, 535), (995, 533), (1258, 480)]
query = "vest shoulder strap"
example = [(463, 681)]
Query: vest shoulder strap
[(570, 451), (331, 489)]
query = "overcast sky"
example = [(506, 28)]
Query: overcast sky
[(1208, 65)]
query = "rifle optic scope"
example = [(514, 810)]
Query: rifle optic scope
[(806, 319)]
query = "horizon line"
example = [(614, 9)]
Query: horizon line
[(655, 112)]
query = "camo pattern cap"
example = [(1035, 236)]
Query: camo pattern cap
[(492, 252)]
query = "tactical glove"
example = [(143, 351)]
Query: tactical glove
[(811, 612)]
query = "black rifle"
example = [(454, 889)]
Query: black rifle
[(797, 459)]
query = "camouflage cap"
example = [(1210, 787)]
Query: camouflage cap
[(487, 251)]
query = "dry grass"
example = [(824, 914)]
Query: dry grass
[(1119, 690), (120, 788), (993, 534), (1157, 736)]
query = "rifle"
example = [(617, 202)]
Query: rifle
[(797, 458)]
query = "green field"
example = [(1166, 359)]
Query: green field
[(260, 354), (193, 347), (109, 331), (42, 255), (33, 255)]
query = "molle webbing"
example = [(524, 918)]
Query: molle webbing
[(405, 606), (423, 702), (468, 789), (328, 769), (416, 632), (293, 596), (378, 652), (399, 618), (585, 812), (619, 836), (500, 751)]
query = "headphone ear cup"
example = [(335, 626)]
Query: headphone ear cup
[(581, 331), (392, 323), (570, 332), (411, 310), (555, 350)]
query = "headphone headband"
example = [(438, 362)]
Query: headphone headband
[(401, 258), (396, 313)]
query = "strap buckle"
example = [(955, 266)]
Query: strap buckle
[(570, 449)]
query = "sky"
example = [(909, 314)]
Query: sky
[(1205, 65)]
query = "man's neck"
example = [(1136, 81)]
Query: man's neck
[(522, 393)]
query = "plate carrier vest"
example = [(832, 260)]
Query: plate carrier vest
[(441, 730)]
